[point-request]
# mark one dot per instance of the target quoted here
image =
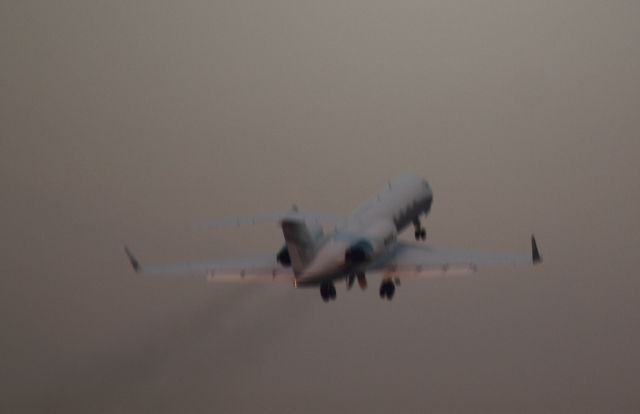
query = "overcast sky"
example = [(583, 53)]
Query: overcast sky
[(131, 121)]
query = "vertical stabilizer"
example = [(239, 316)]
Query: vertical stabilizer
[(535, 253), (302, 242)]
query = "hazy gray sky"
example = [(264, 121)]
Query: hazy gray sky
[(127, 122)]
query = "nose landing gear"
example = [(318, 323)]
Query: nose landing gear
[(420, 232)]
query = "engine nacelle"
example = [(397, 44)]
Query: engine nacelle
[(360, 252), (378, 238), (283, 256)]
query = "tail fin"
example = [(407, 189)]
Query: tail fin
[(302, 242), (535, 253)]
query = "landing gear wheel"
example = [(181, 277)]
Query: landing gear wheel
[(387, 290), (324, 292), (328, 291), (420, 233), (391, 290), (332, 292)]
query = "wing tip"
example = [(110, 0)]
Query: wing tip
[(135, 264), (536, 257)]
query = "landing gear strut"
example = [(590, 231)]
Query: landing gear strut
[(387, 289), (420, 232), (328, 291), (362, 280), (351, 277)]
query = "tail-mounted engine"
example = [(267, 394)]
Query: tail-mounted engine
[(360, 252), (283, 256), (378, 238)]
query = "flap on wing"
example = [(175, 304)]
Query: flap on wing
[(248, 269), (415, 260)]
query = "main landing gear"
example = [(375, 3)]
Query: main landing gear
[(387, 289), (420, 232), (362, 280), (328, 291)]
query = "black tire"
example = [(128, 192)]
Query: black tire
[(383, 291), (325, 292), (391, 290)]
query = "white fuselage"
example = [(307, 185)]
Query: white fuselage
[(372, 229)]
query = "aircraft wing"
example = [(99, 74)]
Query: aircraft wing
[(416, 260), (249, 269)]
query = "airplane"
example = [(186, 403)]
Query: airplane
[(365, 241)]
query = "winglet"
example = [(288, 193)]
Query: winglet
[(134, 262), (535, 253)]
